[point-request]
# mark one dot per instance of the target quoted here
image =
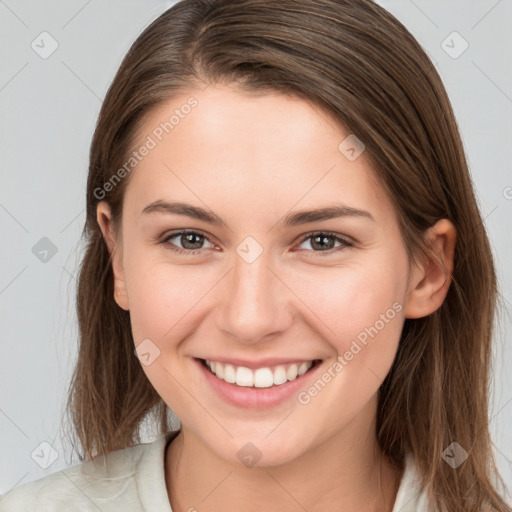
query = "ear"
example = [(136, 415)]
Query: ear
[(104, 218), (431, 278)]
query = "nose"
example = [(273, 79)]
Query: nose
[(256, 303)]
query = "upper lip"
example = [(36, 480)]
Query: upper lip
[(262, 363)]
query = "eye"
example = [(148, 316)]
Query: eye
[(191, 242), (324, 241)]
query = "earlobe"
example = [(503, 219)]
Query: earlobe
[(104, 219), (431, 279)]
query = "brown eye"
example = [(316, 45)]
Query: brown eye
[(325, 242), (190, 242)]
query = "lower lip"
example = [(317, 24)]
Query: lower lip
[(256, 398)]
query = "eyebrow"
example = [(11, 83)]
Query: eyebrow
[(292, 219)]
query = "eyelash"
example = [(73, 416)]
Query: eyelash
[(170, 246)]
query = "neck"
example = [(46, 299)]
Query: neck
[(357, 477)]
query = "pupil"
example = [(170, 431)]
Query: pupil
[(323, 238), (189, 237)]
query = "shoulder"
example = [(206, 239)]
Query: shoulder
[(410, 497), (106, 483)]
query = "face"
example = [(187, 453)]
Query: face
[(254, 287)]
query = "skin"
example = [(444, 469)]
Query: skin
[(251, 160)]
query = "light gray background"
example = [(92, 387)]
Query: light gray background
[(48, 112)]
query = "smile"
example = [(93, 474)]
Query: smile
[(261, 377)]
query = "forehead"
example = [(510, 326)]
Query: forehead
[(270, 149), (223, 116)]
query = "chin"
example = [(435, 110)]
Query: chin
[(259, 450)]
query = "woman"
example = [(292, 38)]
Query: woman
[(284, 249)]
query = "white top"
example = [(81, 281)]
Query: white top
[(133, 480)]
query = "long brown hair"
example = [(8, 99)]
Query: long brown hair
[(360, 64)]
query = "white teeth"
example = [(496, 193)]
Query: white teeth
[(263, 378), (303, 368), (244, 376), (280, 375), (292, 372), (229, 373), (260, 378), (219, 370)]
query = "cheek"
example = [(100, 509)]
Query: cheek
[(165, 308), (163, 300), (359, 311), (344, 301)]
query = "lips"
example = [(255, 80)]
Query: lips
[(251, 397), (261, 377)]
